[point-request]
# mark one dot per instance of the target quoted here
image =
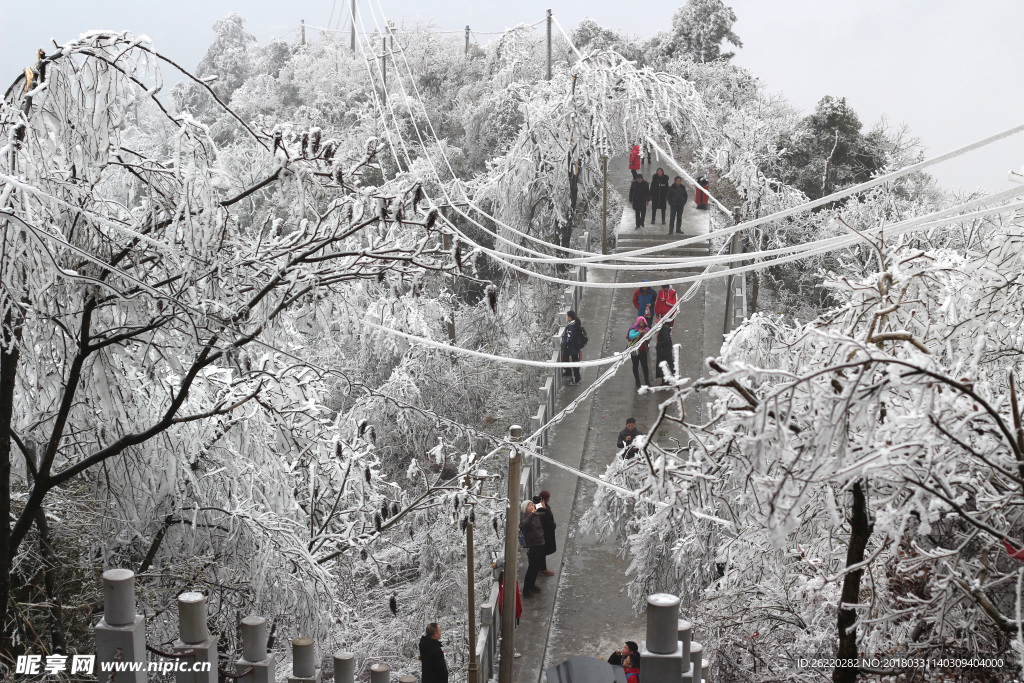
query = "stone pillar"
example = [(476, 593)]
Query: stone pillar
[(254, 653), (304, 668), (344, 667), (685, 631), (406, 679), (194, 635), (662, 653), (696, 659), (121, 633), (380, 673)]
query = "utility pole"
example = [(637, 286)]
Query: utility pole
[(549, 45), (474, 672), (467, 41), (730, 294), (604, 206), (508, 612), (448, 279), (302, 31), (353, 25), (384, 66)]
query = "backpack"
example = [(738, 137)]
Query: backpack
[(582, 338), (632, 336)]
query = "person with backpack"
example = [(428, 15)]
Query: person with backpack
[(634, 161), (665, 301), (631, 669), (574, 338), (644, 299), (639, 349), (677, 198)]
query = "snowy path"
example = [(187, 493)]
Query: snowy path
[(584, 609)]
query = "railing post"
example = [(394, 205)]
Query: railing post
[(661, 653), (263, 664), (194, 635), (685, 631), (696, 660), (121, 633), (730, 294), (380, 673), (508, 614), (344, 667), (304, 664)]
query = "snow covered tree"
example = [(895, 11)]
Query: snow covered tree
[(699, 29)]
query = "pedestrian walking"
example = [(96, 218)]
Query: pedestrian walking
[(435, 669), (700, 197), (634, 161), (639, 349), (659, 195), (665, 301), (644, 300), (639, 194), (547, 522), (677, 198), (533, 536), (663, 353), (627, 437), (574, 338)]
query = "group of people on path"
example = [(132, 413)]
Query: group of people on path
[(651, 306), (537, 535), (659, 194)]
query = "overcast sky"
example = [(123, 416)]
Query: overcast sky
[(953, 71)]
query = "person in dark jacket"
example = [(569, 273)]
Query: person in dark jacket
[(639, 194), (572, 336), (626, 438), (631, 650), (634, 161), (663, 353), (677, 198), (638, 349), (659, 195), (547, 521), (435, 669), (533, 534), (644, 301)]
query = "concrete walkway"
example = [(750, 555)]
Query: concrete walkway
[(585, 609)]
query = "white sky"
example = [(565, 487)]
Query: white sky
[(953, 71)]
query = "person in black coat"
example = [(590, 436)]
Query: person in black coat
[(435, 669), (547, 522), (677, 198), (627, 436), (663, 352), (572, 338), (639, 195), (630, 650), (533, 535), (659, 195)]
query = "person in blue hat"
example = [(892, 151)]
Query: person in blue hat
[(644, 300)]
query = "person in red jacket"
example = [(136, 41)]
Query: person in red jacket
[(634, 161), (700, 197), (665, 301)]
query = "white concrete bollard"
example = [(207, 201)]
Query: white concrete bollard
[(696, 659), (380, 673), (685, 631), (254, 653), (121, 633), (344, 667), (662, 653), (304, 668), (194, 635), (406, 679)]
